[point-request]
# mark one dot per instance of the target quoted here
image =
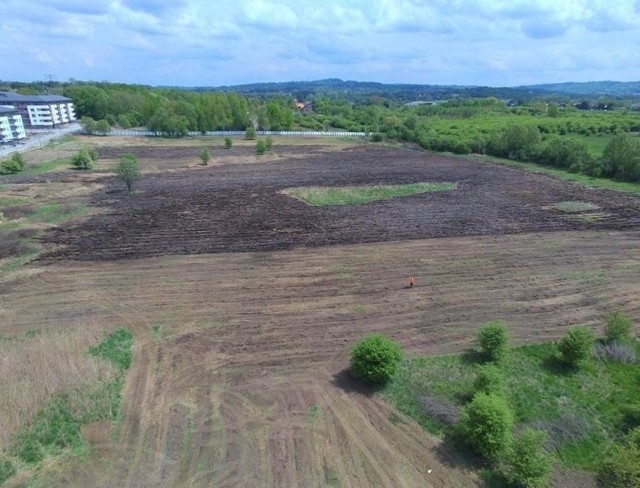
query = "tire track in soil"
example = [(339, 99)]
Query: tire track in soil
[(243, 385)]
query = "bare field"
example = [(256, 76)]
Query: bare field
[(239, 376)]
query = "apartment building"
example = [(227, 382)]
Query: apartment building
[(40, 111), (11, 126)]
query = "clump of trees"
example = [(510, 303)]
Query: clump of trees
[(91, 126), (375, 359)]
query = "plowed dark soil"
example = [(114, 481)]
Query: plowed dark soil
[(239, 207)]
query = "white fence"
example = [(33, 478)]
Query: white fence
[(38, 140), (148, 133)]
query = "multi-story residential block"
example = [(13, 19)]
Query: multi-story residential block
[(40, 111), (11, 127)]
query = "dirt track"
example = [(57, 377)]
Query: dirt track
[(238, 207)]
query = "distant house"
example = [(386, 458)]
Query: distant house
[(40, 111), (11, 126)]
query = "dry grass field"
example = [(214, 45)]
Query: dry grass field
[(239, 375)]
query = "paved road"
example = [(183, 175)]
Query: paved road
[(38, 140)]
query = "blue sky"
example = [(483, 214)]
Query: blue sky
[(211, 42)]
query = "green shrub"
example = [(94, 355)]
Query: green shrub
[(576, 345), (82, 160), (228, 143), (492, 339), (485, 425), (18, 159), (618, 327), (268, 144), (377, 137), (250, 134), (489, 379), (375, 359), (10, 167), (93, 153), (621, 465), (261, 147), (526, 463)]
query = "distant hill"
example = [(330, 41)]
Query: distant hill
[(410, 92)]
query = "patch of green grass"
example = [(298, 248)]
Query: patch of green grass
[(353, 195), (117, 348), (45, 167), (597, 143), (588, 403), (313, 412), (55, 213), (576, 207)]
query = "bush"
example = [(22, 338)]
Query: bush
[(18, 160), (10, 167), (93, 153), (268, 143), (261, 147), (375, 359), (228, 143), (618, 327), (621, 467), (576, 345), (82, 160), (492, 339), (250, 134), (485, 425), (377, 137), (526, 462), (489, 380)]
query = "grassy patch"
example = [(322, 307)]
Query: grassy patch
[(56, 428), (576, 207), (596, 144), (116, 348), (352, 195), (582, 409)]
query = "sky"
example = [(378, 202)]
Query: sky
[(214, 43)]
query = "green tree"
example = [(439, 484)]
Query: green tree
[(19, 160), (128, 170), (82, 160), (103, 127), (375, 359), (228, 142), (493, 339), (527, 464), (576, 345), (618, 328), (621, 158), (205, 156), (88, 125), (261, 147), (485, 425), (250, 134), (13, 165)]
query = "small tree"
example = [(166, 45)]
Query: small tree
[(492, 339), (18, 159), (268, 144), (261, 147), (618, 327), (485, 424), (205, 155), (526, 462), (82, 160), (576, 345), (13, 165), (103, 127), (375, 359), (250, 134), (489, 379), (228, 143), (128, 170), (93, 153)]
